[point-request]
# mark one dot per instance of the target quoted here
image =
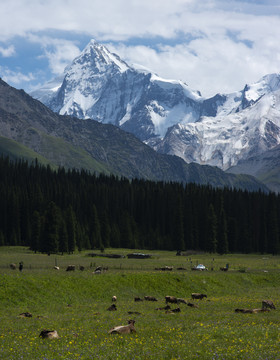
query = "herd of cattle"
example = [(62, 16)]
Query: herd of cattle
[(267, 305)]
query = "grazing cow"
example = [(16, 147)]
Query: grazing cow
[(167, 307), (192, 305), (171, 300), (172, 311), (198, 296), (268, 304), (113, 307), (56, 267), (137, 298), (25, 314), (114, 298), (150, 298), (250, 311), (124, 329), (49, 334), (71, 268), (13, 266), (134, 312), (183, 301), (81, 267), (244, 311), (260, 310)]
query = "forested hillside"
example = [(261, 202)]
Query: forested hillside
[(59, 211)]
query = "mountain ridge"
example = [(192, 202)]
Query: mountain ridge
[(32, 124)]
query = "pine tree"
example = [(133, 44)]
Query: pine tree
[(95, 230), (51, 229), (35, 231), (71, 229), (212, 230), (222, 246), (63, 238)]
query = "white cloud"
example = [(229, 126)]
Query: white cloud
[(213, 45), (14, 77), (7, 52), (59, 52)]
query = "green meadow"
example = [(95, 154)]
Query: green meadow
[(75, 304)]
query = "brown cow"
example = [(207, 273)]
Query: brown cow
[(198, 296), (268, 304), (25, 314), (137, 298), (71, 268), (250, 311), (124, 329), (192, 305), (171, 299), (167, 307), (49, 334), (13, 266), (172, 311), (183, 301)]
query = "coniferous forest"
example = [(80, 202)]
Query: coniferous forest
[(64, 210)]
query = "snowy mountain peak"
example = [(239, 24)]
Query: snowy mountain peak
[(265, 85), (167, 114), (100, 57)]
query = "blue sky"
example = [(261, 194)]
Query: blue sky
[(212, 45)]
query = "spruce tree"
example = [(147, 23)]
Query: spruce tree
[(212, 230), (51, 229), (222, 245), (71, 228), (35, 231)]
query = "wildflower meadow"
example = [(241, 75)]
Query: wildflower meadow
[(75, 305)]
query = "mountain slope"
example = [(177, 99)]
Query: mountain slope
[(265, 167), (59, 138), (245, 123)]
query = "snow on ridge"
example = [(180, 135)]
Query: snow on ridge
[(169, 84)]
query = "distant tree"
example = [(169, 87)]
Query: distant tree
[(2, 239), (105, 230), (71, 229), (212, 230), (35, 231), (51, 229), (222, 245), (63, 238), (95, 229)]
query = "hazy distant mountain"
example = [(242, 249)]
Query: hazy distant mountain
[(167, 114), (70, 142)]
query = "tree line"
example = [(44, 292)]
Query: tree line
[(59, 211)]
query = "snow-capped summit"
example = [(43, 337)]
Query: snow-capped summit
[(99, 85), (167, 114), (241, 124)]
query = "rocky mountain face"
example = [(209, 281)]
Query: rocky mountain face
[(166, 114), (26, 123)]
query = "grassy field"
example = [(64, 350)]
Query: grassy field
[(75, 304)]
